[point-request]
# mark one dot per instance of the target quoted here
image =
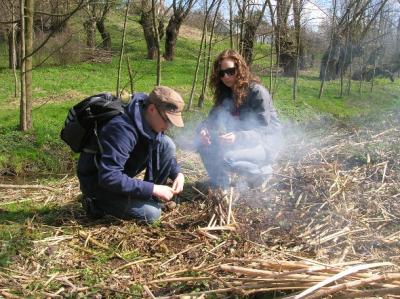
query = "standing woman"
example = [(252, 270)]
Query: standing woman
[(242, 131)]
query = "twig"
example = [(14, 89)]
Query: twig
[(132, 263), (91, 240), (198, 191), (179, 253), (228, 221), (231, 228), (147, 290), (40, 187)]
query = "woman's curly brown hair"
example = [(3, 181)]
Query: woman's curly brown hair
[(243, 78)]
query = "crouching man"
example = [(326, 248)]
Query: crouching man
[(132, 142)]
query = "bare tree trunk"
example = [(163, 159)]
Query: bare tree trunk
[(284, 41), (278, 57), (105, 35), (342, 69), (251, 26), (23, 114), (271, 60), (157, 39), (14, 52), (200, 103), (297, 15), (171, 36), (28, 61), (242, 11), (131, 75), (321, 88), (121, 54), (376, 57), (203, 38), (147, 25), (350, 70), (230, 24), (361, 76), (180, 11), (90, 29)]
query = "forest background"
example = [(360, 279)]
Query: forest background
[(77, 47)]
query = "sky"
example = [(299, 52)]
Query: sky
[(314, 10)]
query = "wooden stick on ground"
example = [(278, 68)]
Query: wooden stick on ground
[(40, 187), (340, 275), (148, 292)]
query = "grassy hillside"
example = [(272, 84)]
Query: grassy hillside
[(56, 88)]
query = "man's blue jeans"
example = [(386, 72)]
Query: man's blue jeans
[(126, 207)]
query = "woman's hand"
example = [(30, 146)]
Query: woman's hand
[(228, 138), (178, 183), (205, 137)]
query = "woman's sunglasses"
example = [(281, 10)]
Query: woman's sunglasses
[(229, 71)]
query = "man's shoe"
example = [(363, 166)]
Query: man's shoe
[(90, 208)]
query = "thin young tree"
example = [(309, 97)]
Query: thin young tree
[(200, 103), (230, 23), (14, 50), (376, 56), (23, 112), (157, 39), (29, 12), (202, 41), (242, 12), (297, 8), (345, 59), (350, 69), (321, 87), (121, 53)]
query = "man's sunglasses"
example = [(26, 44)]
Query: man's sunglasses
[(163, 116), (229, 71)]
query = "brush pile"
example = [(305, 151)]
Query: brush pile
[(327, 224)]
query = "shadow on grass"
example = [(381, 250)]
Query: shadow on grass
[(54, 214)]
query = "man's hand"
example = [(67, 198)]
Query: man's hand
[(178, 183), (228, 138), (205, 137), (163, 193)]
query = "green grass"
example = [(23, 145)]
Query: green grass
[(57, 88)]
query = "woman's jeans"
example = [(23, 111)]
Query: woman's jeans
[(220, 161)]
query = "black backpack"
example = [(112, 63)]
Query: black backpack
[(84, 120)]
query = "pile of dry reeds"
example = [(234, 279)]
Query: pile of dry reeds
[(222, 218), (326, 224), (298, 279)]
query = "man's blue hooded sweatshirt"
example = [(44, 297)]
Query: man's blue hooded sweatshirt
[(129, 146)]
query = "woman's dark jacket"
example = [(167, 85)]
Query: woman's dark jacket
[(252, 122)]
